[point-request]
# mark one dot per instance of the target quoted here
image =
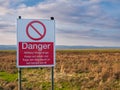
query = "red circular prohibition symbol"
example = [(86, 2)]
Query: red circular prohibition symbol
[(35, 29)]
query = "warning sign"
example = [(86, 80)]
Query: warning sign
[(35, 43)]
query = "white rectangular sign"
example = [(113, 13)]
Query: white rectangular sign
[(35, 43)]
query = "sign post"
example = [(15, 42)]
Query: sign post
[(19, 79), (19, 74), (36, 44), (52, 71)]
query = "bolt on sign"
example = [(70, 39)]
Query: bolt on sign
[(35, 43)]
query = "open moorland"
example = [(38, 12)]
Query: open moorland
[(74, 70)]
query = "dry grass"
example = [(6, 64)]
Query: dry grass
[(74, 70), (8, 61)]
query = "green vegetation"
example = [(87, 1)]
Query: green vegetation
[(8, 77)]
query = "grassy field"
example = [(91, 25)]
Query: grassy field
[(74, 70)]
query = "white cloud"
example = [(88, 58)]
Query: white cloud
[(80, 16), (7, 38), (4, 11)]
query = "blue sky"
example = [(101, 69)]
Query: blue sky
[(79, 22)]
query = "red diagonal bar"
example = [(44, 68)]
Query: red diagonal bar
[(36, 30)]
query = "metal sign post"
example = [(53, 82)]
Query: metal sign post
[(52, 71), (19, 79), (19, 74), (52, 78)]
